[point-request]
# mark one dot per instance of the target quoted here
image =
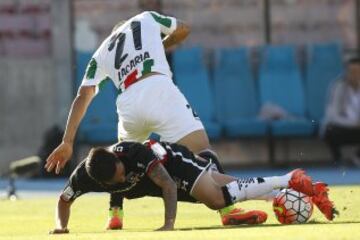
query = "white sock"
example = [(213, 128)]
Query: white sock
[(269, 196), (255, 188), (279, 181)]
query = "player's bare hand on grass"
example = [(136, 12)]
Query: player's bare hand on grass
[(59, 231), (59, 157)]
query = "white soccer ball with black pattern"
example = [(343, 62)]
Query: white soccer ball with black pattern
[(291, 207)]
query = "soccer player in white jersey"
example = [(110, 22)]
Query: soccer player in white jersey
[(133, 57)]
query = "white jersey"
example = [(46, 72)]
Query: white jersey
[(131, 51)]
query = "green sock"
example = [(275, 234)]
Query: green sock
[(226, 210), (116, 212)]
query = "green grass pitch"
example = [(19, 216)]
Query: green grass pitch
[(33, 218)]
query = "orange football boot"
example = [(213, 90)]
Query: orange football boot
[(301, 182), (239, 216), (322, 201), (115, 219)]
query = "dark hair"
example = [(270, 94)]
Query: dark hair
[(354, 60), (101, 164), (117, 25)]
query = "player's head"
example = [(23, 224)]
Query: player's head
[(119, 24), (353, 72), (104, 166)]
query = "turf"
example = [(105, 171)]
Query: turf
[(33, 218)]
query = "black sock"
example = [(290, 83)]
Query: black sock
[(116, 200)]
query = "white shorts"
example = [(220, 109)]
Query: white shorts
[(156, 105)]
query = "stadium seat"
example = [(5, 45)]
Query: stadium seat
[(193, 80), (236, 95), (324, 65), (280, 83), (295, 127), (100, 122)]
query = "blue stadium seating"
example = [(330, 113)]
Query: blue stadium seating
[(280, 83), (193, 80), (100, 122), (236, 95), (324, 65)]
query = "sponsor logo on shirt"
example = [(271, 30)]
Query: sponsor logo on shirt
[(140, 165)]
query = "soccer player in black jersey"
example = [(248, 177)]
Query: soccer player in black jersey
[(174, 173)]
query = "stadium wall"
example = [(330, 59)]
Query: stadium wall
[(26, 106), (37, 88), (217, 23)]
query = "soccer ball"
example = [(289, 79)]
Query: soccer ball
[(291, 207)]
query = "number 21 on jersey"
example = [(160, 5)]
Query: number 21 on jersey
[(121, 55)]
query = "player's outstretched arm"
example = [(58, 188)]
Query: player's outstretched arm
[(181, 32), (62, 217), (61, 155), (161, 177)]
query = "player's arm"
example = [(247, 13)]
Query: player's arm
[(77, 185), (62, 212), (175, 30), (62, 216), (77, 112), (180, 34), (161, 177), (63, 152), (149, 163)]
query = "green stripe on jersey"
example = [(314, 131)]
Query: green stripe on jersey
[(103, 83), (91, 69), (162, 20), (148, 63)]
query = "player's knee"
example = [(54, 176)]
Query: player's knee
[(216, 201), (216, 204)]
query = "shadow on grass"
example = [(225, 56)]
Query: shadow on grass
[(312, 222), (215, 227)]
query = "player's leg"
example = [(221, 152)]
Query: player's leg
[(116, 214), (186, 169), (175, 121), (212, 185), (196, 141), (231, 215), (241, 189), (209, 192), (161, 108)]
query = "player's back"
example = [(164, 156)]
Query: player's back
[(135, 49)]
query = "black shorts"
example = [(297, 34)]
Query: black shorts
[(183, 167)]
